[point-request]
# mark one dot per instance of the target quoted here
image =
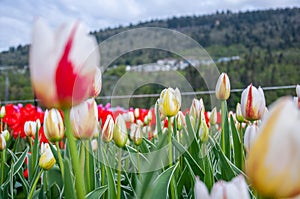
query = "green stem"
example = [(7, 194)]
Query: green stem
[(60, 161), (87, 166), (80, 189), (170, 154), (223, 125), (242, 147), (2, 165), (119, 174), (138, 162), (34, 184), (103, 167)]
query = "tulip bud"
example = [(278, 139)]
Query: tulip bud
[(108, 129), (97, 84), (136, 134), (213, 116), (200, 190), (6, 134), (273, 161), (298, 91), (94, 144), (180, 119), (238, 114), (128, 117), (253, 103), (169, 102), (2, 112), (84, 119), (120, 132), (249, 137), (148, 117), (2, 142), (196, 108), (47, 159), (136, 113), (223, 87), (30, 128), (53, 125), (203, 131)]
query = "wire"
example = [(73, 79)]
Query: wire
[(238, 90)]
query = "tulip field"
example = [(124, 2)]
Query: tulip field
[(72, 147)]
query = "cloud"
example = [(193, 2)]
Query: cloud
[(17, 17)]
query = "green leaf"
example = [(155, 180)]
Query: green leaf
[(208, 177), (225, 130), (18, 164), (237, 145), (97, 193), (35, 153), (195, 166), (160, 187), (158, 122), (69, 189)]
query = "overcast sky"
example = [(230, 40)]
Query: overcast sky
[(17, 16)]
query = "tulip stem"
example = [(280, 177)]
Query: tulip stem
[(2, 165), (61, 165), (34, 184), (119, 174), (170, 155), (87, 165), (80, 189), (138, 162)]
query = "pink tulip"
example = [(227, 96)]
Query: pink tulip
[(62, 64)]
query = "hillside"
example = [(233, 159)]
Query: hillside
[(267, 41)]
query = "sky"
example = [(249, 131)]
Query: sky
[(17, 16)]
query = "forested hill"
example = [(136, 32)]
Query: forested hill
[(267, 29)]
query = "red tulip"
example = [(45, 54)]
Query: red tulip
[(62, 64)]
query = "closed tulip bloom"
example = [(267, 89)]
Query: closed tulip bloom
[(62, 64), (47, 159), (94, 144), (108, 129), (148, 117), (2, 112), (253, 103), (238, 114), (120, 132), (6, 134), (223, 87), (180, 119), (197, 107), (97, 83), (273, 162), (128, 117), (213, 116), (136, 134), (53, 125), (298, 91), (169, 102), (2, 142), (203, 131), (250, 136), (84, 119), (30, 128)]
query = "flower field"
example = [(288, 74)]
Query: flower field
[(74, 148)]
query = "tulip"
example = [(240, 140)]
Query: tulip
[(169, 102), (6, 134), (30, 128), (2, 142), (148, 117), (128, 117), (47, 159), (250, 136), (136, 134), (84, 119), (273, 161), (97, 83), (203, 131), (235, 189), (62, 64), (120, 135), (253, 103), (180, 119), (200, 190), (94, 144), (108, 129), (213, 116), (2, 112), (197, 108), (53, 125), (136, 113), (298, 91), (223, 87), (238, 114)]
